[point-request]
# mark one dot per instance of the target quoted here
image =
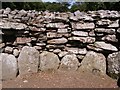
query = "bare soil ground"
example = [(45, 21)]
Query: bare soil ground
[(60, 79)]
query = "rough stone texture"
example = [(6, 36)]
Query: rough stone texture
[(83, 39), (16, 52), (69, 63), (110, 38), (28, 60), (105, 46), (103, 30), (83, 26), (94, 62), (8, 49), (9, 66), (77, 50), (57, 41), (113, 67), (48, 61), (80, 33)]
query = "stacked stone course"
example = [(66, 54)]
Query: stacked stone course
[(65, 41)]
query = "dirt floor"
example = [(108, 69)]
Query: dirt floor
[(60, 80)]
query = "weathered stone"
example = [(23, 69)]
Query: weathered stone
[(48, 61), (80, 33), (54, 46), (92, 47), (113, 64), (9, 66), (23, 40), (16, 52), (69, 63), (28, 60), (62, 30), (118, 30), (92, 33), (8, 49), (22, 12), (103, 22), (93, 62), (2, 45), (114, 24), (7, 11), (57, 51), (83, 26), (83, 39), (51, 35), (62, 54), (110, 38), (57, 41), (56, 25), (73, 18), (77, 50), (41, 44), (108, 14), (103, 30), (38, 47), (105, 46), (80, 57)]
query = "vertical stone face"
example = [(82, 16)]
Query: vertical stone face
[(113, 66), (93, 62), (28, 60), (69, 63), (8, 66), (48, 61)]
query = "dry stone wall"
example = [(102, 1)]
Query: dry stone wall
[(46, 40)]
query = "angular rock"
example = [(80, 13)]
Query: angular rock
[(7, 11), (114, 24), (69, 63), (9, 66), (92, 47), (113, 65), (16, 52), (118, 30), (110, 38), (83, 39), (62, 54), (92, 33), (48, 61), (103, 30), (83, 26), (51, 35), (80, 57), (93, 62), (105, 46), (57, 41), (28, 60), (80, 33), (8, 49)]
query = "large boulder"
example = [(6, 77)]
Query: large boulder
[(113, 64), (69, 63), (93, 62), (8, 66), (28, 60), (48, 61)]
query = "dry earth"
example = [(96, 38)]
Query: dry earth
[(60, 80)]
